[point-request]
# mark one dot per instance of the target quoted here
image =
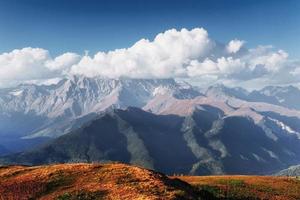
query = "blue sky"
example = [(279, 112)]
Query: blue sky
[(248, 43), (77, 25)]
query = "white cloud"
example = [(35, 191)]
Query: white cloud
[(166, 56), (27, 64), (230, 65), (63, 61), (222, 67), (206, 67), (189, 54), (296, 72), (272, 61), (22, 64), (235, 45)]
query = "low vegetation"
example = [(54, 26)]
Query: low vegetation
[(120, 181), (89, 181), (245, 187)]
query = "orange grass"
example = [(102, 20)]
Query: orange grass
[(91, 181), (120, 181), (247, 187)]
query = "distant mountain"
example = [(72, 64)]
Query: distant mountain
[(291, 171), (30, 111), (286, 96), (70, 98), (207, 141), (173, 128), (221, 91)]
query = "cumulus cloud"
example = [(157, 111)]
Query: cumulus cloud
[(166, 56), (27, 64), (222, 67), (272, 61), (234, 45), (189, 54), (296, 72), (62, 62), (23, 64), (207, 67)]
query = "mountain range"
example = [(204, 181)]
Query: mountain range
[(160, 124), (286, 96), (30, 111)]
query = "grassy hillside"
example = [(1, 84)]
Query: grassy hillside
[(120, 181), (89, 181), (245, 187)]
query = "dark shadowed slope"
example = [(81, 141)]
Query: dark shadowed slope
[(3, 150), (205, 142)]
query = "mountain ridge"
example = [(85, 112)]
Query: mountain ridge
[(137, 108), (206, 142)]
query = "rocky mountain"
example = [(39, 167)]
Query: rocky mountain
[(291, 171), (221, 91), (206, 141), (191, 132), (286, 96), (30, 111)]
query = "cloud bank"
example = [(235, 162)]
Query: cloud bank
[(187, 54)]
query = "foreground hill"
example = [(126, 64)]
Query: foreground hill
[(245, 187), (205, 142), (89, 181), (120, 181)]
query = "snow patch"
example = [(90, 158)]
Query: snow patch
[(285, 127), (160, 90), (16, 92), (271, 154), (258, 158), (243, 157)]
